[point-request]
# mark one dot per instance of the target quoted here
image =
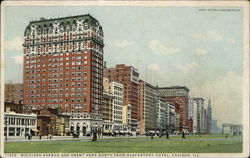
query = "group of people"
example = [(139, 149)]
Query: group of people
[(167, 135)]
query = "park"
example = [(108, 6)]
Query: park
[(218, 143)]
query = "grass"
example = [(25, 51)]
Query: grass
[(146, 146)]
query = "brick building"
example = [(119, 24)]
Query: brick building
[(179, 96), (13, 93), (147, 107), (129, 77), (63, 65)]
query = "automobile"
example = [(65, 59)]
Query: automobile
[(75, 135), (88, 135)]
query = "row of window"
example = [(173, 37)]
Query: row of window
[(72, 100), (59, 64), (60, 95), (55, 59), (56, 80), (55, 90), (55, 75)]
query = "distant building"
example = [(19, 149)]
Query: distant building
[(19, 125), (147, 107), (13, 93), (162, 115), (173, 118), (129, 77), (200, 115), (116, 89), (233, 129), (107, 113), (126, 118), (209, 116), (214, 128), (193, 114), (13, 107), (179, 96)]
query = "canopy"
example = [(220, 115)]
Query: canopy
[(34, 129)]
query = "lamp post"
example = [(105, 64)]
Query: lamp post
[(6, 123)]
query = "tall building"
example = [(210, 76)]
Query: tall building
[(173, 122), (193, 113), (200, 114), (129, 77), (13, 93), (162, 114), (209, 116), (147, 107), (126, 118), (116, 89), (178, 96), (107, 112), (63, 66)]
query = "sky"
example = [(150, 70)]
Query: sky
[(184, 46)]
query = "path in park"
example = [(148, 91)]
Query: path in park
[(88, 139)]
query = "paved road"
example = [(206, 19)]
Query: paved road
[(117, 139)]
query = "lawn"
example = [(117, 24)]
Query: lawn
[(146, 146)]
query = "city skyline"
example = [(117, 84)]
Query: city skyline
[(164, 45)]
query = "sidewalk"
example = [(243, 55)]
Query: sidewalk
[(45, 138)]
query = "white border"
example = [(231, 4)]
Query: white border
[(243, 4)]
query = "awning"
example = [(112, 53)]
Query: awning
[(106, 131), (34, 129)]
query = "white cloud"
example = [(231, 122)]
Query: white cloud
[(187, 67), (231, 41), (210, 35), (225, 92), (200, 52), (123, 43), (153, 67), (159, 49), (17, 59), (14, 44)]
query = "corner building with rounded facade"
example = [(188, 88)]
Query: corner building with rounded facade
[(63, 67)]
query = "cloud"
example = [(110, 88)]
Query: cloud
[(210, 35), (17, 59), (225, 92), (153, 67), (187, 67), (231, 41), (123, 43), (14, 44), (200, 52), (159, 49)]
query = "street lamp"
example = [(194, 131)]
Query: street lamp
[(6, 123)]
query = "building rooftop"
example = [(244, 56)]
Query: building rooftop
[(174, 87), (44, 23)]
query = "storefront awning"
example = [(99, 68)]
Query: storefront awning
[(34, 129), (107, 131)]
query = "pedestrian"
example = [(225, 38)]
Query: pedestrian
[(152, 137), (183, 135), (167, 136), (40, 137), (160, 135), (50, 137)]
